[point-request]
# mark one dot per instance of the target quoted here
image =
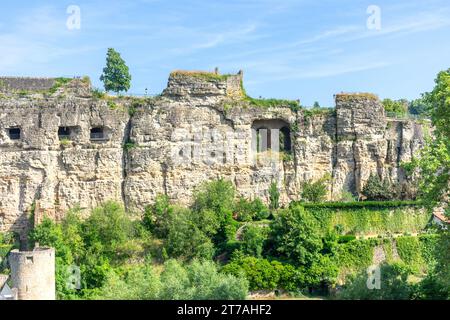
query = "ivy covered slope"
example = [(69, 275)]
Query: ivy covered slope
[(371, 219)]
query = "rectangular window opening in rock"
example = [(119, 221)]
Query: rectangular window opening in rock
[(64, 133), (14, 133), (98, 134)]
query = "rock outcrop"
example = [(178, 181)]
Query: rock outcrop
[(69, 148)]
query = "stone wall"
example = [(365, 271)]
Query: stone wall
[(199, 129), (25, 84)]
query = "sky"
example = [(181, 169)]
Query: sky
[(304, 49)]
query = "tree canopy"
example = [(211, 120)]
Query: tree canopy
[(116, 75)]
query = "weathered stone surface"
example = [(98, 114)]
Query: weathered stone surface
[(198, 130)]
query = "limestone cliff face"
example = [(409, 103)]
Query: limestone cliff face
[(67, 149)]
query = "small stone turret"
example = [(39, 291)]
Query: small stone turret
[(33, 273)]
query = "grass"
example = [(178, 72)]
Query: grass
[(205, 75), (65, 142), (361, 204), (355, 96), (59, 82), (318, 111)]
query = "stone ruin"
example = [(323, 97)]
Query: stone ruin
[(72, 148)]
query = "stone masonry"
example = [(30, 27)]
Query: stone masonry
[(71, 148)]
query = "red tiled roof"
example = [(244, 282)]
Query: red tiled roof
[(442, 217)]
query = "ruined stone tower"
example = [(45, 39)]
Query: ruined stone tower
[(33, 273)]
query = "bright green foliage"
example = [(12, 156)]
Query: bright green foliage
[(418, 107), (108, 229), (394, 285), (199, 280), (274, 196), (116, 75), (246, 210), (8, 242), (316, 191), (138, 283), (323, 270), (371, 220), (107, 238), (296, 235), (438, 101), (253, 240), (434, 169), (188, 233), (354, 255), (263, 274), (185, 233), (218, 197), (378, 190), (433, 163), (395, 106), (409, 250)]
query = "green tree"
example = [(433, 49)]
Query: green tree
[(418, 107), (274, 196), (296, 235), (218, 197), (438, 102), (246, 210), (396, 106), (188, 238), (253, 240), (116, 75)]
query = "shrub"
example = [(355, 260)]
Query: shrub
[(217, 197), (296, 235), (253, 240), (274, 196), (315, 191), (394, 285), (378, 189), (246, 210), (199, 280), (396, 106)]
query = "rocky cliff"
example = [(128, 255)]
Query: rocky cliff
[(67, 147)]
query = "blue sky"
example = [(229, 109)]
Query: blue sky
[(304, 49)]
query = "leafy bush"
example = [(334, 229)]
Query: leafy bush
[(246, 210), (360, 204), (394, 285), (315, 191), (253, 240), (217, 197), (263, 274), (274, 196), (199, 280), (296, 235), (395, 106), (379, 190), (8, 242), (106, 239)]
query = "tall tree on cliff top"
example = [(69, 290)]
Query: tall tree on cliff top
[(116, 75)]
